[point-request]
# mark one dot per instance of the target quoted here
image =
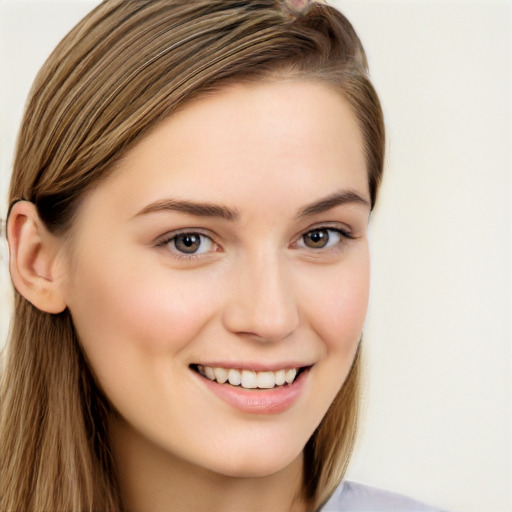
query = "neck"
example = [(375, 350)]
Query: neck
[(151, 478)]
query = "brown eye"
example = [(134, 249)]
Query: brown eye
[(192, 243), (322, 238), (316, 239)]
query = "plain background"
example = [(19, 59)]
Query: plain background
[(438, 398)]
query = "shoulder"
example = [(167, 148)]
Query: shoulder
[(354, 497)]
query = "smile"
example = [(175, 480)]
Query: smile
[(254, 391), (249, 379)]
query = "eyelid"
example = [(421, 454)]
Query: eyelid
[(169, 235), (335, 226)]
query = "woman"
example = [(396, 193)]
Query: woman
[(188, 244)]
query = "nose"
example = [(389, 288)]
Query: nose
[(262, 303)]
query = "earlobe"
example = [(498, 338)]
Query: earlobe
[(33, 258)]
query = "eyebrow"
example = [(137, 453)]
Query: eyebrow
[(191, 208), (213, 210), (337, 199)]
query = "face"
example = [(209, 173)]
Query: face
[(231, 243)]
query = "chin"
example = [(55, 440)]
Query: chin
[(257, 463)]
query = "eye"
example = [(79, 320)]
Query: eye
[(189, 244), (321, 238)]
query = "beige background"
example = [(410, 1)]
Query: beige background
[(438, 337)]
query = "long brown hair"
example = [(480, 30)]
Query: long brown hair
[(124, 68)]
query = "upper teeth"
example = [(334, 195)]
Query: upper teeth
[(249, 379)]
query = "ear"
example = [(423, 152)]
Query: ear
[(33, 258)]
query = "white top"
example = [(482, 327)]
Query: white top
[(354, 497)]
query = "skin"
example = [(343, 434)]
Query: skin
[(255, 293)]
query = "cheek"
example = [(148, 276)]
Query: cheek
[(338, 312), (125, 309)]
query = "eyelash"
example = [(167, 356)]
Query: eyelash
[(169, 238)]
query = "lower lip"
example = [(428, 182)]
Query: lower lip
[(258, 401)]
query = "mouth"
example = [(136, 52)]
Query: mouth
[(250, 379), (256, 390)]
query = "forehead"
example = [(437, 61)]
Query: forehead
[(244, 141)]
